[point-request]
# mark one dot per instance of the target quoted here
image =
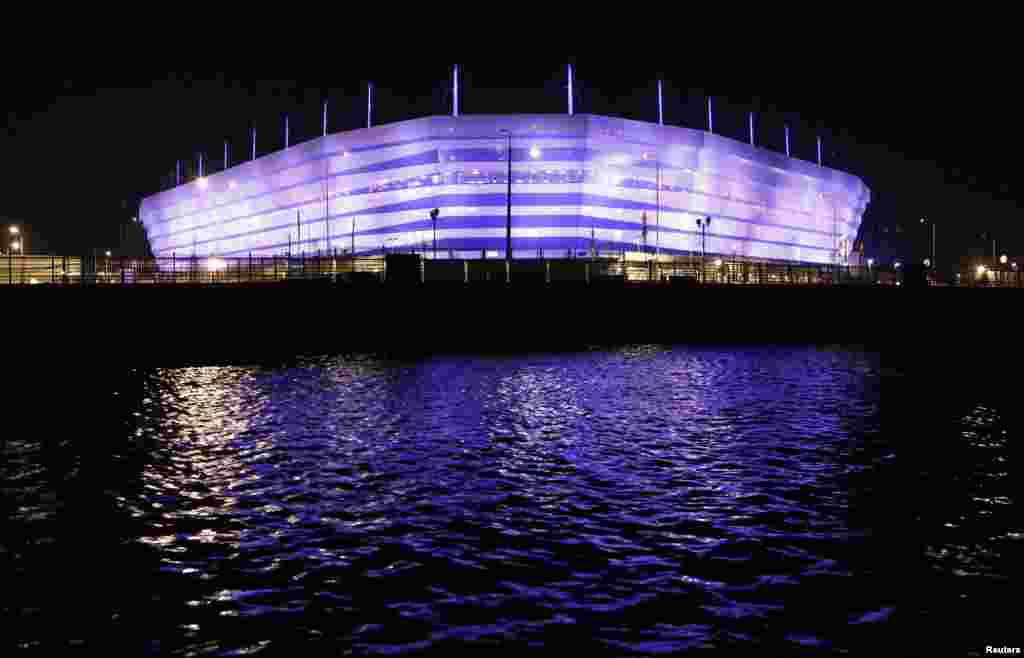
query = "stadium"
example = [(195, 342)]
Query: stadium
[(581, 185)]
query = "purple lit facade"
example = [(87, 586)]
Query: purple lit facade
[(578, 182)]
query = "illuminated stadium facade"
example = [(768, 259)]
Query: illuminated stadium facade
[(579, 183)]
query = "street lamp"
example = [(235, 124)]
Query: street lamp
[(18, 238), (926, 221), (535, 152), (703, 225), (433, 216), (1003, 259)]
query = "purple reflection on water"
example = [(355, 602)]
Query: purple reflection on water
[(619, 499)]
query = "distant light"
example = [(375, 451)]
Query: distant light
[(16, 245), (14, 230), (718, 262), (203, 183), (33, 281), (233, 185), (1013, 265), (216, 264), (981, 270), (1003, 259), (897, 265), (927, 262), (347, 154), (108, 254), (647, 156), (871, 261), (535, 152), (898, 283), (922, 220)]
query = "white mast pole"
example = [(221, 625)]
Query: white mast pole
[(570, 91), (455, 93)]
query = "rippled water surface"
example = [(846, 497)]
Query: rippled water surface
[(615, 502)]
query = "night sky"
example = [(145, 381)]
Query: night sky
[(84, 144)]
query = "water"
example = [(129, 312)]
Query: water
[(628, 501)]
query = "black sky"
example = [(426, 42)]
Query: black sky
[(931, 138)]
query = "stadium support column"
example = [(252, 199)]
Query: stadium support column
[(326, 189), (657, 210)]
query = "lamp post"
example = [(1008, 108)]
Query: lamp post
[(932, 251), (508, 195), (433, 216), (15, 244), (18, 237), (987, 235), (704, 225)]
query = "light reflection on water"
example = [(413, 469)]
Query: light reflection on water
[(643, 499)]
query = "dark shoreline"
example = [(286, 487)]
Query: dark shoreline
[(210, 325)]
